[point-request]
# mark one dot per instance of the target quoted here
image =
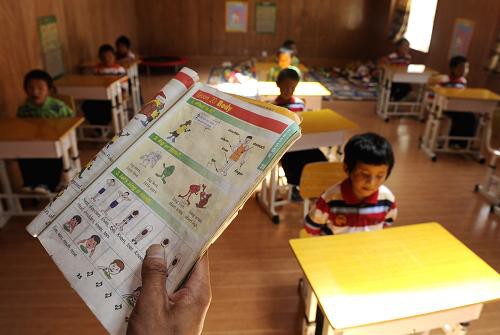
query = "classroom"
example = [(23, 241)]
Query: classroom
[(250, 167)]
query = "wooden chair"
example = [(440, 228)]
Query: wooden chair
[(67, 99)]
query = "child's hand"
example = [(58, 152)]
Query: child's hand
[(158, 312)]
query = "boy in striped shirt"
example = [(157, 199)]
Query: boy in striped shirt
[(360, 202)]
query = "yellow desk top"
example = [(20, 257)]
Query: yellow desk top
[(409, 69), (324, 120), (394, 273), (466, 93), (304, 88), (88, 80), (36, 129)]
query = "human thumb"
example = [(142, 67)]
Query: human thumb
[(154, 271)]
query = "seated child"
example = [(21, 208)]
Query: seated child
[(98, 112), (360, 202), (400, 57), (293, 162), (41, 175), (284, 62), (290, 44), (462, 124), (123, 53)]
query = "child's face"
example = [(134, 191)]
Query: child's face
[(461, 70), (284, 60), (107, 58), (114, 269), (73, 223), (404, 48), (90, 243), (287, 87), (122, 49), (37, 91), (367, 178)]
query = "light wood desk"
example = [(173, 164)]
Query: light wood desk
[(132, 73), (310, 91), (481, 102), (411, 74), (395, 281), (100, 88), (262, 69), (320, 128), (36, 138)]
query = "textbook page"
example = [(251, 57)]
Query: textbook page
[(178, 186)]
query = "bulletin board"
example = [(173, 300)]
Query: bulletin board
[(236, 16), (265, 18), (461, 37), (50, 45)]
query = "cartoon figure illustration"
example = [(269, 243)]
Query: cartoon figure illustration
[(109, 184), (203, 198), (113, 140), (151, 110), (183, 128), (88, 245), (239, 151), (131, 298), (119, 226), (193, 189), (114, 268), (151, 158), (167, 171), (122, 196), (85, 168), (174, 262), (142, 234), (165, 242), (71, 224)]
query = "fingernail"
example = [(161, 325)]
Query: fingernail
[(156, 251)]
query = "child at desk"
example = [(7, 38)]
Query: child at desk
[(399, 57), (108, 64), (123, 53), (361, 202), (290, 44), (41, 175), (293, 162), (284, 62)]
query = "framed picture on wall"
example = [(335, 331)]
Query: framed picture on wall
[(461, 37), (236, 16), (50, 45), (265, 18)]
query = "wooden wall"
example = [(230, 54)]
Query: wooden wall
[(82, 25), (322, 28)]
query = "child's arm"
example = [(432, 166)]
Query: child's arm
[(391, 215), (317, 218)]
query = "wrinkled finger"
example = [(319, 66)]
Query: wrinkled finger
[(154, 271)]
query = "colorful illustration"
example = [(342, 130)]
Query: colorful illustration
[(461, 38), (131, 298), (88, 245), (151, 110), (236, 16), (122, 196), (71, 224), (114, 268), (142, 234), (165, 242), (238, 153), (150, 158), (183, 128), (113, 140), (203, 198), (167, 172), (109, 184), (193, 189), (119, 226)]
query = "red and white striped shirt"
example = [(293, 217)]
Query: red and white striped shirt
[(294, 104), (338, 211)]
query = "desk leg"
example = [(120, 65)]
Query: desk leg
[(267, 195), (311, 302), (328, 330), (66, 166), (387, 98), (12, 202), (313, 103), (115, 113), (75, 156)]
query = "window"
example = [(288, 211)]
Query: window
[(420, 24)]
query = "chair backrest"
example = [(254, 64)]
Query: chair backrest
[(317, 177), (67, 99)]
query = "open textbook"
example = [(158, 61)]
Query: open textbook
[(176, 175)]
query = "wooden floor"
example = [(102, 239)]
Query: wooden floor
[(254, 274)]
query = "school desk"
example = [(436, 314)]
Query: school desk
[(481, 102), (396, 281), (310, 91), (319, 128), (262, 69), (100, 88), (411, 74), (132, 68), (36, 138)]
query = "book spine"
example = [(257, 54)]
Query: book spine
[(148, 115)]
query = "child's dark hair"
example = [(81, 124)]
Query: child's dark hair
[(368, 148), (96, 238), (78, 218), (105, 48), (288, 74), (40, 75), (123, 40), (401, 41), (288, 44), (456, 61)]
